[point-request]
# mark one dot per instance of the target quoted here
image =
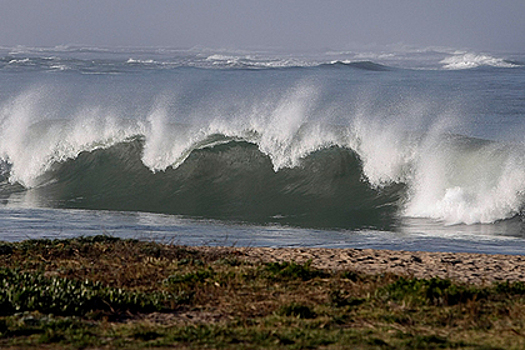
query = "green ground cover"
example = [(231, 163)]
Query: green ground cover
[(103, 292)]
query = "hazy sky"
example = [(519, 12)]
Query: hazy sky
[(286, 24)]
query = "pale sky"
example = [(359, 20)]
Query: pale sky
[(282, 24)]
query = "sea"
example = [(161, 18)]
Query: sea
[(395, 148)]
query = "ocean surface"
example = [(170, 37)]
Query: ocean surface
[(413, 149)]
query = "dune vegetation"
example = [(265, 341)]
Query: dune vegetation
[(104, 292)]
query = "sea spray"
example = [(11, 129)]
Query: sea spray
[(32, 140), (468, 181)]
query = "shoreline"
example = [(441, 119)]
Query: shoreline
[(472, 268)]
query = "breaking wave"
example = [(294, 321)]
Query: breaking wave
[(362, 175)]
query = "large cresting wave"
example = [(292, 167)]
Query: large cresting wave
[(281, 157)]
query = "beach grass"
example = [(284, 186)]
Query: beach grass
[(103, 292)]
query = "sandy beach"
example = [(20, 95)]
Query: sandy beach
[(462, 267)]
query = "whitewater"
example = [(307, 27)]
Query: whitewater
[(401, 149)]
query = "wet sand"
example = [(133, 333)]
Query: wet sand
[(462, 267)]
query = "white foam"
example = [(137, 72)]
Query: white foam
[(60, 67), (19, 61), (136, 61), (218, 57), (471, 60), (459, 185)]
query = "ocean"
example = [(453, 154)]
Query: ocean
[(408, 149)]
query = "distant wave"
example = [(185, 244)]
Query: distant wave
[(214, 61), (471, 60), (123, 60), (364, 65)]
